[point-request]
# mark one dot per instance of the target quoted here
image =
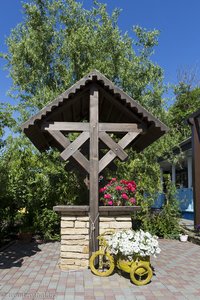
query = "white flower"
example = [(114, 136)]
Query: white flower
[(129, 243)]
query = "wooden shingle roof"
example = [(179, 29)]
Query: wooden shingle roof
[(115, 107)]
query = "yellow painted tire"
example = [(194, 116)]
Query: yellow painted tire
[(141, 274), (105, 266)]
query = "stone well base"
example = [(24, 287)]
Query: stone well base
[(74, 241), (74, 252)]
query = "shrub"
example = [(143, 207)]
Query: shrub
[(165, 222), (48, 224)]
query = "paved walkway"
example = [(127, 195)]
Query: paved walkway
[(189, 224), (30, 271)]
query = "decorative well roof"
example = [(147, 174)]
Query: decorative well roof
[(115, 106)]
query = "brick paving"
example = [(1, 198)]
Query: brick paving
[(30, 271)]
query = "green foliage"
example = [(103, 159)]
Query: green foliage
[(144, 169), (59, 42), (48, 224), (33, 181), (187, 102), (163, 223), (6, 120)]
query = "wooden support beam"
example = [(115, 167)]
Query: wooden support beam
[(65, 142), (94, 169), (78, 126), (119, 127), (115, 147), (60, 138), (66, 126), (110, 155), (75, 145)]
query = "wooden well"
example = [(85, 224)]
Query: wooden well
[(95, 108)]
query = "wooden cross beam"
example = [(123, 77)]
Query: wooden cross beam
[(110, 155), (65, 142), (72, 149), (83, 126), (75, 145)]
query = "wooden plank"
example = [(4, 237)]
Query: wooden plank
[(110, 155), (94, 169), (124, 209), (129, 113), (71, 208), (60, 138), (119, 127), (85, 107), (66, 107), (116, 148), (66, 126), (75, 145), (109, 112), (65, 142), (76, 107), (66, 114)]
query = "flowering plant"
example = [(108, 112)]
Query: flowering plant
[(129, 244), (117, 192)]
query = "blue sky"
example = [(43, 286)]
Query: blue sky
[(177, 20)]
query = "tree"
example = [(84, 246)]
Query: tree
[(59, 42), (187, 101), (6, 119), (33, 181)]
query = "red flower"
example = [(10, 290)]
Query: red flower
[(103, 189), (107, 196), (132, 200), (123, 181), (113, 179), (129, 186), (118, 188), (124, 196), (118, 192)]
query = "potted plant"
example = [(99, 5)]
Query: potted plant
[(118, 193), (183, 237), (132, 251), (25, 233), (129, 244), (24, 221), (129, 251)]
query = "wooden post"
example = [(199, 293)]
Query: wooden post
[(196, 171), (189, 167), (94, 169), (174, 174)]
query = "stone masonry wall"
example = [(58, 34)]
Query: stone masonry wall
[(75, 237), (74, 242), (115, 223)]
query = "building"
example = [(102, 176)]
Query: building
[(181, 176)]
